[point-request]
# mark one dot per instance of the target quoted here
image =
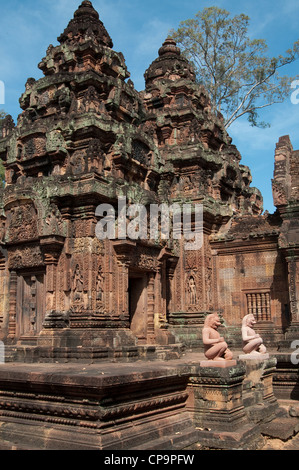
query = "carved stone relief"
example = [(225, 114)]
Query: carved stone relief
[(77, 285), (191, 291), (22, 222)]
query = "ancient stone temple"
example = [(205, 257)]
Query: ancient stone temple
[(85, 138), (82, 313)]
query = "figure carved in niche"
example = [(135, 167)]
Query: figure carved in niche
[(90, 101), (53, 221), (252, 342), (209, 287), (215, 347), (95, 156), (63, 97), (77, 162), (100, 285), (192, 291), (77, 284)]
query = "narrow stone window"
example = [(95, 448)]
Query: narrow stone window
[(259, 304)]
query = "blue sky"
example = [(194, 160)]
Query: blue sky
[(138, 28)]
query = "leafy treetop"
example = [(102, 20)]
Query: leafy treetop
[(236, 71)]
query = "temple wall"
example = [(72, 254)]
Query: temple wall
[(86, 137), (4, 299), (193, 288), (294, 168), (253, 282)]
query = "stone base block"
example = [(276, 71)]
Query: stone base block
[(216, 397), (254, 356), (219, 363)]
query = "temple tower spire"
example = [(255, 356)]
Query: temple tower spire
[(86, 22)]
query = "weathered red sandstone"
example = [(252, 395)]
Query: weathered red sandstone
[(86, 137)]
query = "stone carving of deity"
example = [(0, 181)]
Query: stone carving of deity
[(77, 284), (192, 291), (100, 285)]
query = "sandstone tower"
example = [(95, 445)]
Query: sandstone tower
[(86, 137)]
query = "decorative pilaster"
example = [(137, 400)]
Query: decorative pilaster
[(3, 292), (292, 332), (51, 247), (12, 306), (151, 308), (229, 404), (168, 263), (293, 268)]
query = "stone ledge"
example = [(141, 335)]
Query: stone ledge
[(253, 357), (220, 363)]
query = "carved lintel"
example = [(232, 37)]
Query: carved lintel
[(124, 250), (25, 256), (166, 254)]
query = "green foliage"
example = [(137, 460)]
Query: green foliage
[(235, 70)]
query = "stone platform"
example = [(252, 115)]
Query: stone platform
[(102, 406), (141, 405)]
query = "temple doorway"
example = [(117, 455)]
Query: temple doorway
[(31, 306), (138, 305)]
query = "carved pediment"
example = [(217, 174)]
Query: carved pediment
[(25, 257), (21, 222)]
